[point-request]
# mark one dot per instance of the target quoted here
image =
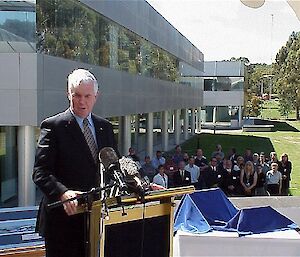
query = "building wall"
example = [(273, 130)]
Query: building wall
[(18, 89), (121, 93), (223, 98), (224, 69)]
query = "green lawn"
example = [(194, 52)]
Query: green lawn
[(285, 139), (270, 111)]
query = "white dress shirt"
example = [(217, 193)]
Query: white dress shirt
[(161, 180)]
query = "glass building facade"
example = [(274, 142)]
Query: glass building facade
[(224, 84), (73, 31)]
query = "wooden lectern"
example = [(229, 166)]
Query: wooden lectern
[(146, 229)]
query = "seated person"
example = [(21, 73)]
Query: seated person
[(161, 178), (148, 170), (274, 180), (230, 181), (181, 177)]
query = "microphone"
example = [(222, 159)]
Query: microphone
[(132, 176), (110, 161)]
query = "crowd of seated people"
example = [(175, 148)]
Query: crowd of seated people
[(250, 174)]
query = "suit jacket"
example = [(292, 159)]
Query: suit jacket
[(63, 161), (184, 180)]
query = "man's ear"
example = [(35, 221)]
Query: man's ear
[(97, 95), (69, 95)]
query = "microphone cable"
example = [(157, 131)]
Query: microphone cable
[(143, 229)]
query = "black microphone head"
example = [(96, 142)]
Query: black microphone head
[(108, 156)]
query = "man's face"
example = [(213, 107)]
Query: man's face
[(199, 152), (181, 165), (82, 99), (191, 161)]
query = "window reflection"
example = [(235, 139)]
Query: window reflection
[(70, 30), (224, 84), (17, 27)]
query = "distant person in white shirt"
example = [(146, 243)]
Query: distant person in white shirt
[(161, 178), (194, 170), (158, 160)]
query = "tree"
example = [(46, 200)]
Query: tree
[(287, 76), (256, 83)]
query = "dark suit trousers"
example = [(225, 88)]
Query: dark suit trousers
[(65, 237)]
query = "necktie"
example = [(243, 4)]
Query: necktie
[(90, 140)]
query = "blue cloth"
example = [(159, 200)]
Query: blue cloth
[(258, 220), (198, 211), (205, 210), (214, 206), (188, 217)]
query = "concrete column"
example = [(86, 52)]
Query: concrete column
[(199, 120), (8, 182), (136, 131), (214, 115), (164, 130), (240, 117), (186, 124), (124, 134), (149, 134), (26, 154), (120, 138), (177, 126), (193, 117)]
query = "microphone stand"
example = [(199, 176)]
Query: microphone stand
[(88, 198)]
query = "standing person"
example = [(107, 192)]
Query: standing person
[(248, 156), (262, 160), (260, 189), (158, 160), (200, 159), (218, 151), (181, 177), (211, 175), (230, 180), (273, 158), (248, 179), (161, 178), (148, 170), (285, 168), (178, 156), (274, 180), (194, 171), (66, 163)]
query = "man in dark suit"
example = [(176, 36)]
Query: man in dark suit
[(67, 163), (181, 177)]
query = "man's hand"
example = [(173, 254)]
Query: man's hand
[(70, 207), (156, 187)]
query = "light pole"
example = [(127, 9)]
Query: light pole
[(269, 76)]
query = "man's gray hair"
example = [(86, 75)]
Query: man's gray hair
[(81, 75)]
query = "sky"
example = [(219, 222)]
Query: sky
[(222, 29)]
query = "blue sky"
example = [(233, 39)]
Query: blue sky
[(226, 28)]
